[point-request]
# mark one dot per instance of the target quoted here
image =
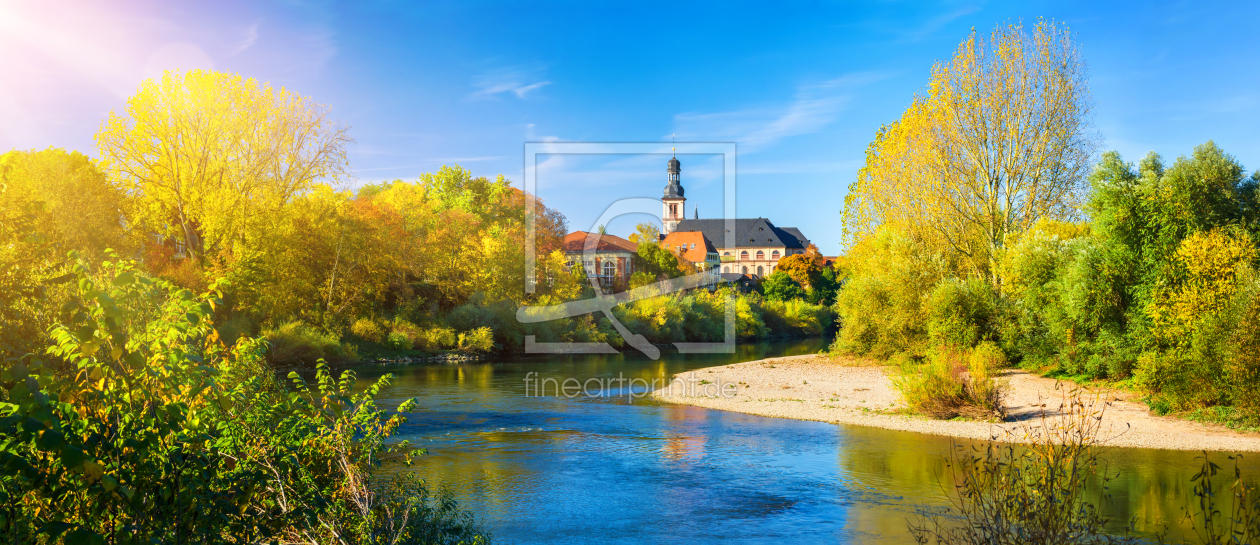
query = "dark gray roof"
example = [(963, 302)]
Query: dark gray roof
[(748, 232), (673, 191)]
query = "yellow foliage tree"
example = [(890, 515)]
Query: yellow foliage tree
[(80, 209), (1000, 139), (204, 154), (1212, 264)]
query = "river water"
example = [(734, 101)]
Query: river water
[(619, 469)]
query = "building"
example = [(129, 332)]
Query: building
[(756, 244), (611, 259), (693, 247)]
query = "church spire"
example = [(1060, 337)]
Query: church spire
[(674, 204)]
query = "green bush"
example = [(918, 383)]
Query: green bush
[(952, 383), (987, 355), (203, 444), (298, 343), (961, 312), (369, 330), (781, 287), (477, 340), (398, 341), (881, 307), (440, 338)]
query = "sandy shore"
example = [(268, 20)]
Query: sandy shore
[(818, 388)]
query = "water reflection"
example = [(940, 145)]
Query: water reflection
[(618, 469)]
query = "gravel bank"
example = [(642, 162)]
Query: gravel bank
[(826, 390)]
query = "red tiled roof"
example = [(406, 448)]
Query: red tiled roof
[(578, 241), (684, 240)]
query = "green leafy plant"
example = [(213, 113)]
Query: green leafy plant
[(139, 425)]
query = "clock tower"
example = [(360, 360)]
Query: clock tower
[(673, 203)]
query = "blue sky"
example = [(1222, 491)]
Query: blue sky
[(801, 87)]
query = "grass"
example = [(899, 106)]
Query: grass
[(1229, 417)]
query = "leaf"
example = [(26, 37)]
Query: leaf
[(54, 529), (51, 440), (83, 536), (72, 457), (93, 471), (125, 279)]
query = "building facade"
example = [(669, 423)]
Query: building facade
[(692, 247), (610, 260)]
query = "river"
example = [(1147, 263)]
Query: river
[(615, 468)]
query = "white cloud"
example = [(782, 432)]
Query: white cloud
[(247, 41), (531, 136), (814, 107), (518, 81)]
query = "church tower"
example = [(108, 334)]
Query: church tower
[(673, 203)]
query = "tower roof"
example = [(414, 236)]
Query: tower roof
[(674, 190)]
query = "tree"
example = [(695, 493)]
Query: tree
[(645, 232), (814, 254), (779, 286), (80, 209), (206, 154), (657, 261), (1000, 138), (803, 269)]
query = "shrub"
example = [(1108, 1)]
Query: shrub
[(234, 328), (781, 287), (950, 384), (202, 444), (369, 330), (961, 313), (477, 340), (440, 338), (296, 342), (881, 308), (413, 334), (398, 341), (988, 356)]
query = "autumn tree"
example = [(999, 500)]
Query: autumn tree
[(801, 267), (645, 232), (78, 207), (205, 154), (1000, 138)]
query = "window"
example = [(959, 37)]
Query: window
[(759, 271), (693, 245), (673, 210), (743, 255), (745, 270), (760, 255), (610, 270), (774, 255), (726, 253)]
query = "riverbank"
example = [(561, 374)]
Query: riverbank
[(820, 388)]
